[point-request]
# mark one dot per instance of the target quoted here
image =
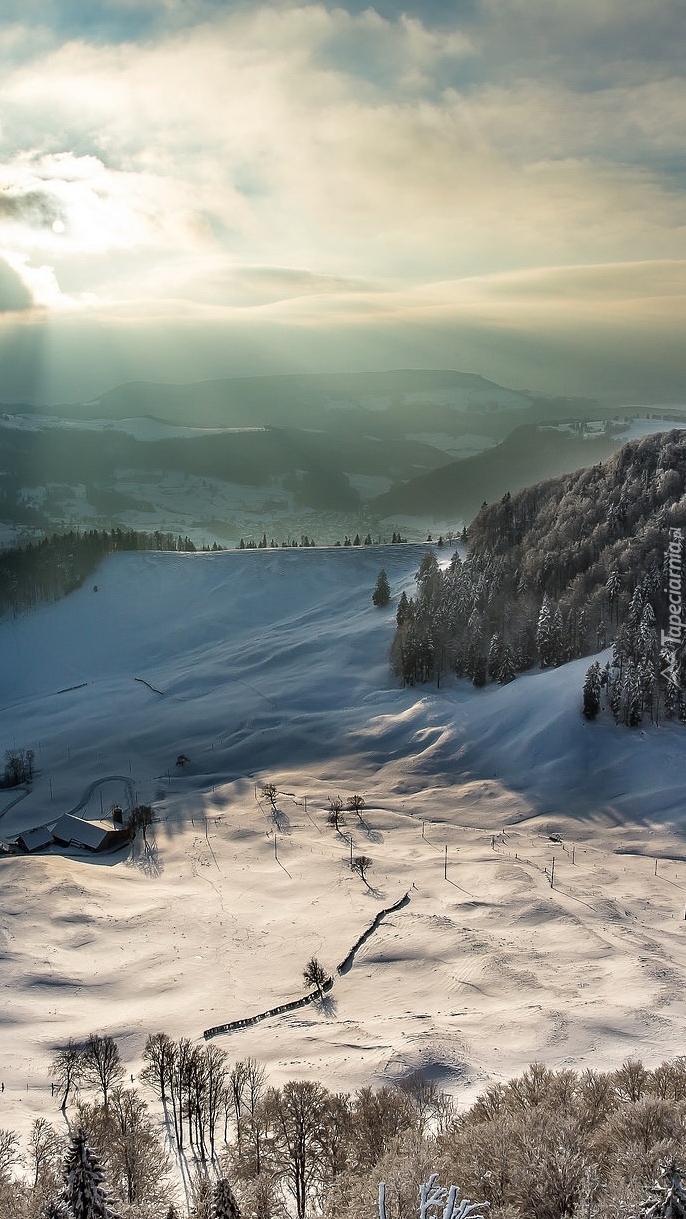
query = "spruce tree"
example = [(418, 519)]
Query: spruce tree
[(495, 655), (83, 1191), (404, 610), (382, 592), (592, 691), (507, 668), (544, 633), (225, 1205)]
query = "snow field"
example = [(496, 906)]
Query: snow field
[(274, 669)]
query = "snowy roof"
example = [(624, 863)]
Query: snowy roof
[(35, 839), (91, 834)]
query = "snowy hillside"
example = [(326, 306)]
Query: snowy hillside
[(272, 667)]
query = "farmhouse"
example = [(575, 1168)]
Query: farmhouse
[(93, 835), (35, 839)]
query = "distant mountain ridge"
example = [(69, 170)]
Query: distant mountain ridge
[(304, 396), (529, 454), (307, 399)]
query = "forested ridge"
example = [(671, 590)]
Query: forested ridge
[(223, 1141), (51, 568), (555, 572)]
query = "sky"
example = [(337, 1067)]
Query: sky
[(192, 189)]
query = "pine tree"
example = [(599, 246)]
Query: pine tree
[(225, 1205), (382, 592), (543, 633), (507, 668), (404, 610), (83, 1191), (592, 691), (495, 655)]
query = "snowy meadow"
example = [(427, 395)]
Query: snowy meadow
[(271, 667)]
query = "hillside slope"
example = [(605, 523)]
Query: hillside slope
[(458, 489), (272, 666)]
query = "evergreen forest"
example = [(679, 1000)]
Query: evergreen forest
[(558, 571)]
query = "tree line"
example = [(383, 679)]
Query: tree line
[(545, 1145), (306, 541), (51, 568)]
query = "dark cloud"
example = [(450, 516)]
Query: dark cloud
[(590, 44), (33, 207), (14, 295)]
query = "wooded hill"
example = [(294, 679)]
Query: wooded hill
[(554, 572), (53, 567), (458, 488)]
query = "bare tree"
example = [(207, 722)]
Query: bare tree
[(18, 767), (46, 1152), (133, 1159), (335, 814), (361, 864), (102, 1064), (9, 1153), (356, 804), (296, 1147), (250, 1077), (235, 1099), (270, 793), (314, 974), (140, 818), (66, 1069)]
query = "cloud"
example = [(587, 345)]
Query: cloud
[(34, 207), (14, 295), (307, 136), (310, 165)]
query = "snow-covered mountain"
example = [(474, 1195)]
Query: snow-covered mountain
[(271, 667)]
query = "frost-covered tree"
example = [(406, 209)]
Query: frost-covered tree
[(495, 652), (225, 1205), (592, 689), (507, 667), (544, 633), (436, 1201), (83, 1191), (202, 1206), (668, 1199)]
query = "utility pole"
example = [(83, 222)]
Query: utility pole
[(445, 863), (552, 874)]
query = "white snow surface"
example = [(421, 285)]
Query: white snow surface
[(272, 667)]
